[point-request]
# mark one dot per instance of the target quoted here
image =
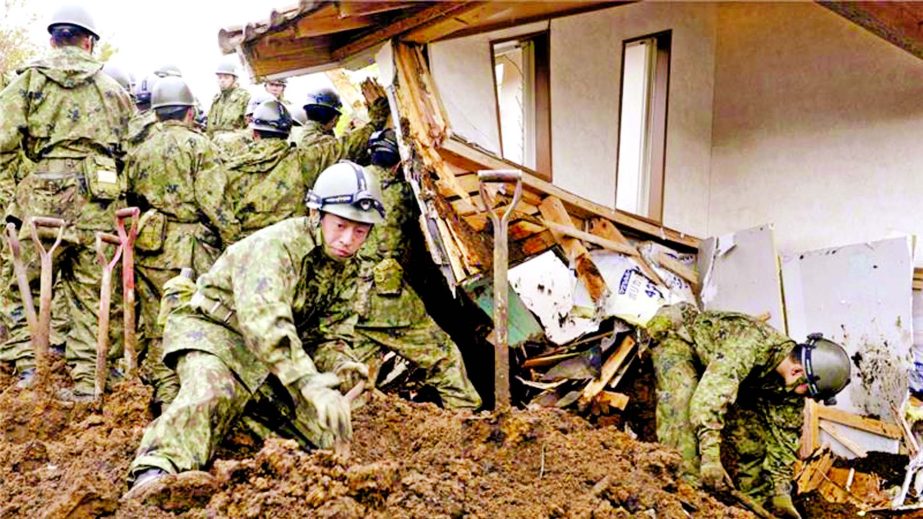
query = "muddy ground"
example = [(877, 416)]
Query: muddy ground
[(407, 460)]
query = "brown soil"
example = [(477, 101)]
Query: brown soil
[(407, 460)]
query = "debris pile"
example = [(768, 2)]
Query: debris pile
[(408, 460)]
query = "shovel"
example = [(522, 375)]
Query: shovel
[(105, 300), (40, 337), (127, 239), (501, 285), (12, 238)]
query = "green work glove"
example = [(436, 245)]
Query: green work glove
[(783, 506), (331, 407)]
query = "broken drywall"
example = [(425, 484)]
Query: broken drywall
[(860, 296), (916, 377), (740, 272), (548, 288)]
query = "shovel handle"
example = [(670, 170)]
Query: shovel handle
[(504, 176), (102, 239), (121, 215), (44, 221)]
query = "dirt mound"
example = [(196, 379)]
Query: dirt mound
[(407, 460)]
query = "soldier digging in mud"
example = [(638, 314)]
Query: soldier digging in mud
[(387, 314), (236, 348), (728, 374)]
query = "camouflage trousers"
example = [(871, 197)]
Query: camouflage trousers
[(745, 435), (399, 323), (210, 400), (75, 308), (149, 287)]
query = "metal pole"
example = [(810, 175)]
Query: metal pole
[(501, 283)]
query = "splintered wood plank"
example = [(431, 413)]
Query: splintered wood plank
[(837, 434), (452, 251), (612, 400), (610, 367), (538, 243), (553, 211), (809, 433), (679, 268), (572, 232), (888, 430), (606, 229)]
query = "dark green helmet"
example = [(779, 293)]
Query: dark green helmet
[(350, 191), (168, 70), (171, 92), (75, 15), (826, 366)]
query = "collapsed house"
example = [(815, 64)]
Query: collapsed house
[(637, 128)]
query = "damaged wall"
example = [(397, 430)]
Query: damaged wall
[(586, 51), (816, 125)]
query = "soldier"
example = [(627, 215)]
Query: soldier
[(176, 178), (236, 346), (73, 135), (323, 148), (388, 314), (120, 76), (276, 88), (144, 121), (269, 179), (230, 103), (703, 362), (233, 143)]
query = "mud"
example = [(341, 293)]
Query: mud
[(407, 460)]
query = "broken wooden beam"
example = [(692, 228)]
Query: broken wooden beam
[(573, 232), (609, 369), (879, 427), (809, 431), (679, 268), (837, 434), (553, 211), (606, 229)]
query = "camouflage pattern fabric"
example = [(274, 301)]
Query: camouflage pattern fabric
[(323, 149), (70, 119), (245, 318), (269, 184), (176, 178), (702, 362), (233, 143), (389, 315), (141, 126), (227, 111)]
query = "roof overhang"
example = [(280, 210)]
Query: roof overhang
[(319, 35)]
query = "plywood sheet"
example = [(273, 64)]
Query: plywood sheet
[(740, 272), (860, 296)]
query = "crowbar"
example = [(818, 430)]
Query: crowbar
[(105, 300), (42, 332), (127, 239), (501, 284)]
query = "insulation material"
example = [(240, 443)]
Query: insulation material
[(632, 296), (549, 289), (740, 273), (859, 296), (679, 287)]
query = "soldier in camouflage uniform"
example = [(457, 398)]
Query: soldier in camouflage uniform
[(724, 372), (69, 118), (387, 315), (321, 146), (236, 142), (144, 121), (236, 346), (176, 178), (227, 111)]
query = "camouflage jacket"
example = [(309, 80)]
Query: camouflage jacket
[(140, 127), (227, 110), (68, 117), (233, 143), (269, 184), (177, 173), (740, 356), (323, 149), (272, 283), (63, 106)]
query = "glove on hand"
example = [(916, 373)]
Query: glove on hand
[(783, 506), (350, 373), (332, 408), (714, 476)]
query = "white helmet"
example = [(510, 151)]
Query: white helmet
[(348, 190)]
